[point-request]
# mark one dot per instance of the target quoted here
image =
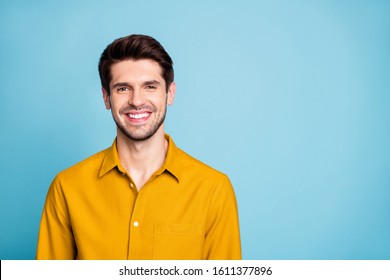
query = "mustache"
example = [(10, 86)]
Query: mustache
[(128, 108)]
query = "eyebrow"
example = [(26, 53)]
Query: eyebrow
[(146, 83), (120, 84), (152, 82)]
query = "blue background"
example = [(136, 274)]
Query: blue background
[(289, 98)]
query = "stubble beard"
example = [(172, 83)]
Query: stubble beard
[(142, 135)]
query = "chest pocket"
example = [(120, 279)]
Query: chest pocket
[(177, 242)]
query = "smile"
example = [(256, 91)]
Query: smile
[(138, 116)]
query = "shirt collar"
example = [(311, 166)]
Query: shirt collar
[(171, 164)]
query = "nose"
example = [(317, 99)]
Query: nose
[(136, 98)]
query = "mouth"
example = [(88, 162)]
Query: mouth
[(138, 117)]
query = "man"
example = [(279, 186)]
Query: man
[(142, 198)]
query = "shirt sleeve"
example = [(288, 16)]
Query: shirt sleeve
[(55, 239), (222, 241)]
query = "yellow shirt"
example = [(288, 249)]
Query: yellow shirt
[(186, 210)]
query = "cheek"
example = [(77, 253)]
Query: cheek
[(117, 103), (158, 101)]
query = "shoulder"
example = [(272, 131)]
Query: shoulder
[(88, 167), (206, 180), (197, 170)]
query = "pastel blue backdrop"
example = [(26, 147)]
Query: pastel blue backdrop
[(289, 98)]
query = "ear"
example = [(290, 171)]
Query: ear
[(106, 98), (171, 93)]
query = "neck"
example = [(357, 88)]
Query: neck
[(142, 158)]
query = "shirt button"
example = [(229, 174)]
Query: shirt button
[(132, 185), (136, 224)]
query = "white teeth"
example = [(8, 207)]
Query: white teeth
[(138, 116)]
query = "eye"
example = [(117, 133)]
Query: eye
[(151, 87), (122, 89)]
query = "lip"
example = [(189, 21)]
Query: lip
[(138, 116)]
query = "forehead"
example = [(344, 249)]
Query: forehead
[(136, 71)]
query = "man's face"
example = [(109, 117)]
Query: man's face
[(138, 98)]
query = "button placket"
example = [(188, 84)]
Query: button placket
[(136, 226)]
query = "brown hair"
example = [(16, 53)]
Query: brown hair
[(134, 47)]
